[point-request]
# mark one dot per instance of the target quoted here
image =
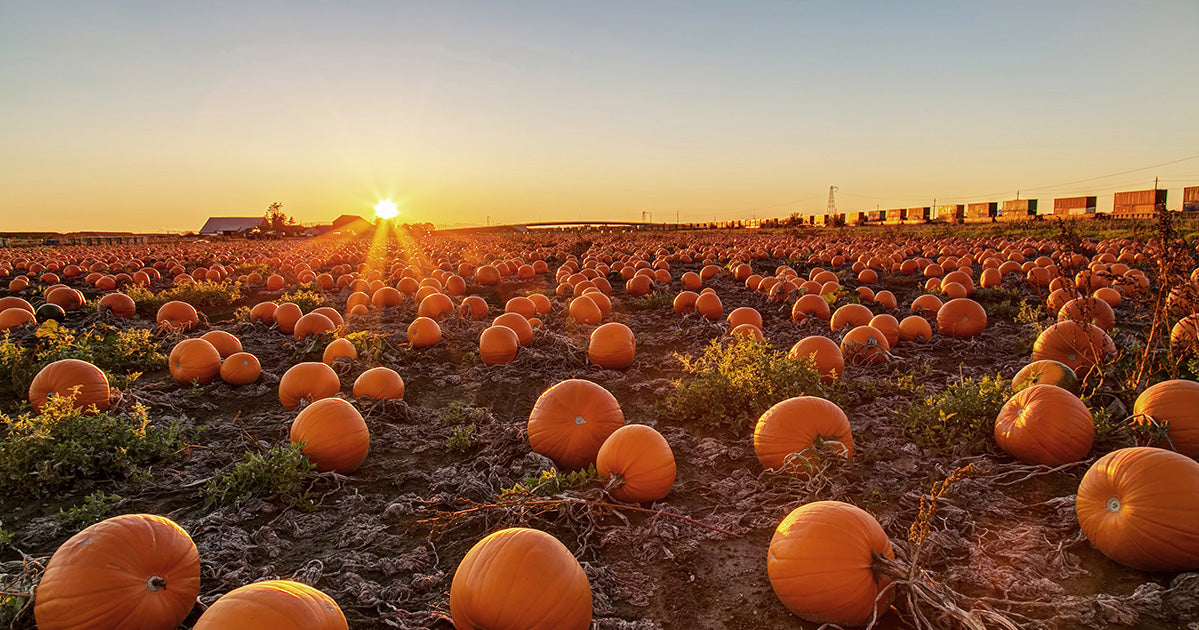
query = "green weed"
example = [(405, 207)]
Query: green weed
[(551, 482), (960, 418), (283, 472), (206, 294), (306, 296), (94, 508), (462, 438)]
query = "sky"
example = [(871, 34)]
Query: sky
[(153, 116)]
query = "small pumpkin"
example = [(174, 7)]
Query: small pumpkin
[(263, 312), (1045, 424), (333, 433), (571, 420), (309, 380), (70, 377), (520, 578), (498, 345), (194, 360), (177, 316), (612, 346), (1046, 372), (745, 315), (825, 354), (915, 328), (584, 310), (473, 307), (379, 383), (240, 368), (129, 571), (797, 424), (424, 332), (637, 464), (1140, 507), (339, 349), (273, 605), (820, 563), (287, 315)]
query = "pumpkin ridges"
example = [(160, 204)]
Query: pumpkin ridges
[(1045, 424), (555, 430), (63, 376), (1175, 402), (273, 604), (334, 434), (642, 459), (795, 424)]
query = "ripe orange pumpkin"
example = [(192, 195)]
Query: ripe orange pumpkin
[(612, 346), (473, 306), (571, 420), (810, 305), (708, 305), (129, 571), (286, 316), (12, 301), (424, 332), (1140, 507), (13, 317), (585, 311), (70, 377), (435, 306), (541, 303), (273, 604), (915, 327), (796, 424), (926, 306), (820, 563), (1080, 345), (225, 343), (1045, 424), (865, 345), (194, 360), (962, 318), (177, 316), (380, 383), (240, 368), (824, 352), (637, 463), (1046, 372), (851, 316), (339, 349), (745, 315), (1184, 338), (520, 578), (334, 435), (888, 325), (1175, 403), (498, 345), (1089, 309), (522, 305), (119, 304), (313, 324), (684, 302), (518, 324), (309, 380)]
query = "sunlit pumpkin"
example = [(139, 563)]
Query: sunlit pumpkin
[(1046, 372), (797, 424), (240, 368), (380, 383), (571, 420), (339, 349), (119, 304), (194, 361), (70, 377), (313, 324), (824, 353), (612, 346), (1080, 345), (518, 324), (498, 345), (1045, 424), (286, 316), (333, 433), (310, 381), (865, 345), (962, 318), (225, 343), (177, 316), (637, 464), (1174, 404), (424, 332), (273, 605)]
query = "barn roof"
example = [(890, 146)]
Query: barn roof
[(216, 225)]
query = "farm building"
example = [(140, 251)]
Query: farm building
[(232, 226)]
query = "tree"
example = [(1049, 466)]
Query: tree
[(276, 218)]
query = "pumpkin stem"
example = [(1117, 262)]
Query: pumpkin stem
[(156, 583), (615, 481)]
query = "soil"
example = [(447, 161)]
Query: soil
[(384, 542)]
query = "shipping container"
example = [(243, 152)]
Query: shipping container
[(1018, 210), (875, 215), (1065, 206), (894, 216), (1190, 199), (954, 213), (985, 211), (1138, 204), (922, 214)]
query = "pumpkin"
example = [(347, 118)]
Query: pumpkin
[(1175, 403), (962, 318), (1184, 337), (287, 315), (519, 325), (637, 464), (520, 578), (48, 311), (1046, 372), (585, 311), (865, 345), (380, 383), (333, 433), (225, 343), (129, 571), (387, 297), (796, 424), (13, 317), (825, 354), (1080, 345), (473, 306), (541, 303), (273, 605), (522, 305), (639, 286), (313, 324), (70, 377), (601, 301), (571, 420), (888, 325), (194, 360), (12, 301), (1089, 309), (424, 332), (435, 306), (915, 327), (820, 563), (65, 298), (309, 380), (1140, 507), (926, 306), (745, 315), (850, 316), (709, 307), (264, 312), (119, 304), (1045, 424), (612, 346), (240, 368), (498, 345), (684, 302), (339, 349), (177, 316), (332, 314), (810, 305)]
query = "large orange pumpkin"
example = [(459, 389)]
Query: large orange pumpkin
[(1140, 507), (194, 360), (240, 368), (915, 327), (498, 345), (821, 561), (264, 312), (424, 332), (473, 306), (309, 380), (1175, 403), (177, 316), (339, 349), (585, 311), (796, 424), (745, 315), (119, 304), (313, 324), (68, 377), (1080, 345), (13, 317), (225, 343), (334, 435), (865, 345), (850, 316), (273, 605), (612, 346), (810, 305), (709, 306), (380, 383), (1045, 424), (824, 352), (520, 578), (637, 463), (130, 571), (518, 324), (1089, 309), (962, 318), (571, 420), (286, 316)]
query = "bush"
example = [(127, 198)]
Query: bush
[(551, 482), (960, 417), (212, 295), (45, 453), (732, 384), (94, 508), (462, 438), (368, 344), (283, 472), (305, 296), (116, 352)]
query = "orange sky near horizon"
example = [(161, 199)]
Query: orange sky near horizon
[(155, 119)]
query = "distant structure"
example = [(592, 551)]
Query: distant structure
[(351, 223), (832, 202), (233, 226)]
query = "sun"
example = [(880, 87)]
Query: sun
[(386, 209)]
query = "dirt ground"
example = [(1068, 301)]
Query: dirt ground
[(384, 542)]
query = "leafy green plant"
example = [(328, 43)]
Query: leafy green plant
[(283, 472), (94, 508), (462, 438), (653, 301), (116, 352), (550, 482), (6, 537), (305, 296), (206, 294), (459, 413), (960, 418), (44, 453), (1000, 302), (368, 344), (731, 384), (1036, 320)]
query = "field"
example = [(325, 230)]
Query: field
[(981, 538)]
